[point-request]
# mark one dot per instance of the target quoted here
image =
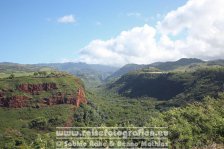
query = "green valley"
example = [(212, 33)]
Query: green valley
[(187, 98)]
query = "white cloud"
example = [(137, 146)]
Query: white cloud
[(203, 21), (67, 19), (137, 45), (193, 30)]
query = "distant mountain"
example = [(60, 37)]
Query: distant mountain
[(216, 62), (6, 67), (163, 66), (76, 67), (127, 68), (91, 74)]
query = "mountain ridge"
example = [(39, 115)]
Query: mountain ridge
[(164, 66)]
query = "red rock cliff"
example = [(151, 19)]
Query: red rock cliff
[(14, 101), (61, 98), (20, 101), (80, 98), (32, 88)]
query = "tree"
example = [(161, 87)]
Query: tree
[(42, 73), (39, 123), (35, 74), (11, 76)]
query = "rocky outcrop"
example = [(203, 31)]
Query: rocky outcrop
[(35, 88), (58, 98), (14, 101), (61, 98), (80, 98)]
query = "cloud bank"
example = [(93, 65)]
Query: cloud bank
[(193, 30)]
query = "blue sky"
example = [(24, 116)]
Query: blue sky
[(31, 33)]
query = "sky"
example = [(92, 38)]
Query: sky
[(110, 32)]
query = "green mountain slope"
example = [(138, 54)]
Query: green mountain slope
[(125, 69), (181, 86), (184, 64), (165, 66), (157, 66)]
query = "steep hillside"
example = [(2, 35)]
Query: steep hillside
[(184, 86)]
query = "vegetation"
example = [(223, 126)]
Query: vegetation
[(174, 88), (18, 70), (24, 127), (188, 100), (91, 74), (11, 76), (198, 124), (65, 83), (111, 109)]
